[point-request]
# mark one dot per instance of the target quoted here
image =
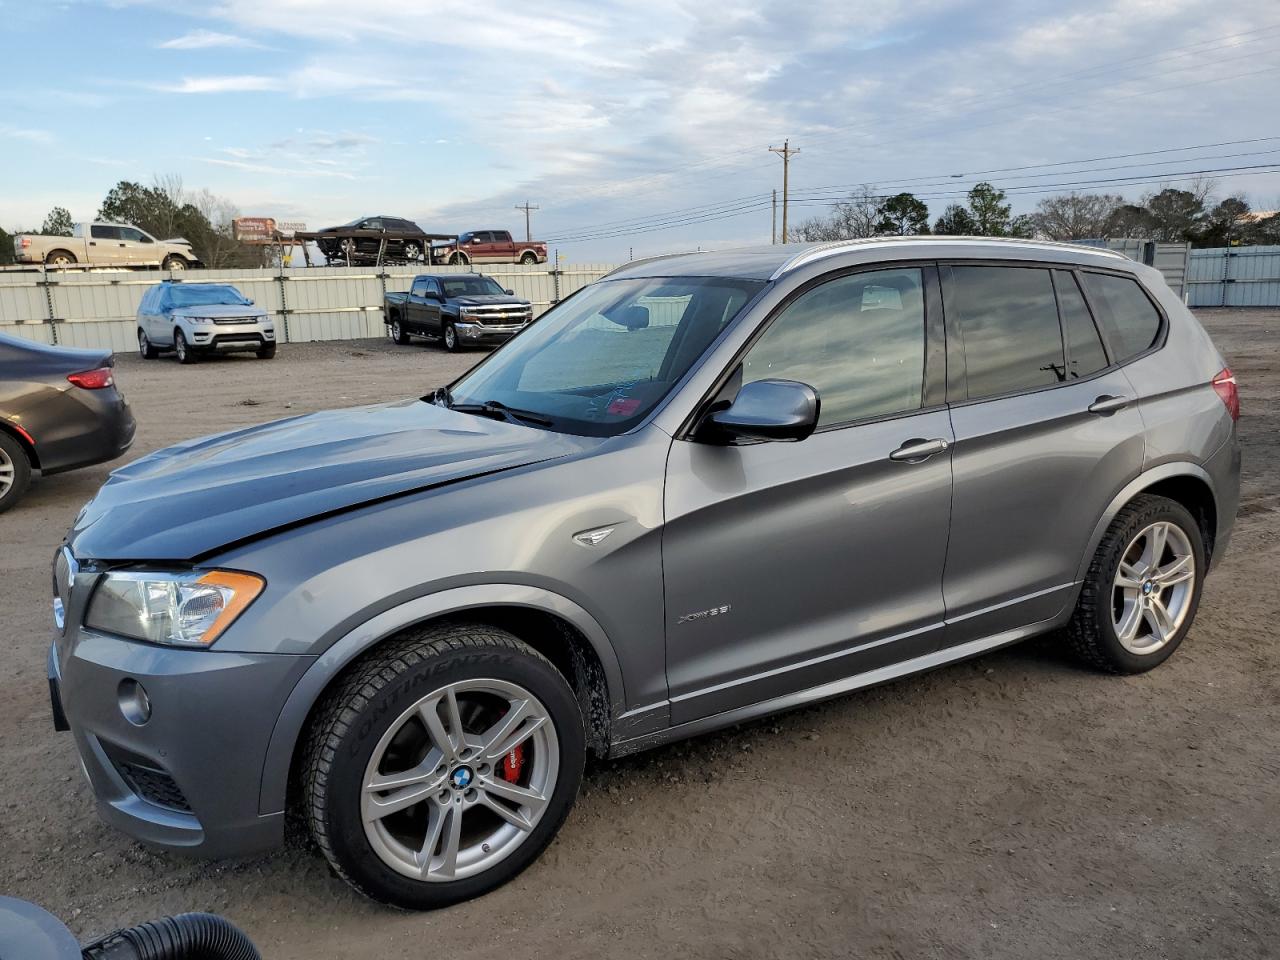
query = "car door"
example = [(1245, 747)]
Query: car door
[(104, 244), (484, 248), (1047, 432), (137, 247), (788, 565), (370, 246)]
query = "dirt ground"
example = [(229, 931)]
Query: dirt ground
[(1012, 806)]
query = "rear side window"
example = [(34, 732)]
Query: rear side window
[(100, 232), (858, 340), (1085, 355), (1009, 326), (1128, 317)]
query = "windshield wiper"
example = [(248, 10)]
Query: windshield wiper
[(495, 409)]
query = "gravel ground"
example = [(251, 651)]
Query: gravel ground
[(1012, 806)]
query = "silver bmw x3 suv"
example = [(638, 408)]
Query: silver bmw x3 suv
[(706, 488)]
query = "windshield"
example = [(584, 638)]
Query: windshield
[(471, 287), (199, 295), (600, 361)]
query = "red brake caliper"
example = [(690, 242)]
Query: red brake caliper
[(512, 764)]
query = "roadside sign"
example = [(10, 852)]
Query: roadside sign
[(254, 229)]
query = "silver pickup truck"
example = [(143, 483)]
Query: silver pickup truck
[(104, 245)]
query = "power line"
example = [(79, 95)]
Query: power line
[(526, 207), (690, 214)]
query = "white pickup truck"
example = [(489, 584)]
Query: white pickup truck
[(104, 245)]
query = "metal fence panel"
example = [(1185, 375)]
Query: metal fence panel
[(97, 309), (1235, 277)]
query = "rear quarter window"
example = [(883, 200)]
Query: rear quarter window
[(1126, 314)]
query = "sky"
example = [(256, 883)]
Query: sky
[(637, 128)]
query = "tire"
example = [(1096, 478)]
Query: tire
[(413, 250), (347, 249), (459, 259), (397, 333), (145, 348), (183, 349), (60, 258), (1118, 626), (173, 263), (371, 726), (267, 351), (452, 342), (15, 471), (528, 257)]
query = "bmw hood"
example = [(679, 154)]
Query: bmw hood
[(188, 500)]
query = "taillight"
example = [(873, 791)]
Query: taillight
[(24, 242), (93, 379), (1224, 385)]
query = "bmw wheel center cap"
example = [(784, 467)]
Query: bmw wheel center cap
[(461, 778)]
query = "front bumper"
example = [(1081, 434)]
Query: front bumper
[(189, 777), (478, 332), (229, 337)]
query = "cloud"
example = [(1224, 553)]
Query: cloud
[(31, 135), (242, 83), (207, 39)]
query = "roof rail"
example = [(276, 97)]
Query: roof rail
[(830, 249)]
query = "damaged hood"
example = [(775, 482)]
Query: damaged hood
[(190, 499)]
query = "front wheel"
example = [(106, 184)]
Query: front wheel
[(174, 263), (182, 349), (442, 766), (451, 341), (1142, 589), (267, 351)]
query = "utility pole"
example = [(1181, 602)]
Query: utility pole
[(786, 152), (773, 232), (526, 207)]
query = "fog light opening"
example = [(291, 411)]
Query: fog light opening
[(135, 705)]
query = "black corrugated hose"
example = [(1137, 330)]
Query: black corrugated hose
[(188, 936)]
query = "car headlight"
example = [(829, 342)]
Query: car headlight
[(189, 609)]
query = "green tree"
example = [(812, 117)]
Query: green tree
[(1024, 226), (1226, 224), (989, 211), (57, 223), (6, 247), (1175, 214), (145, 207), (1129, 220), (904, 215), (956, 221)]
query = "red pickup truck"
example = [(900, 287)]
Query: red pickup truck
[(489, 246)]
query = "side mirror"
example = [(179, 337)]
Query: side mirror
[(250, 303), (765, 410), (509, 293)]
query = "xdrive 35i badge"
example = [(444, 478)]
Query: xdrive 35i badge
[(703, 614)]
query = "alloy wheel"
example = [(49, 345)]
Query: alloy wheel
[(1153, 587), (459, 781), (7, 473)]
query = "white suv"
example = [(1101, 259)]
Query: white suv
[(192, 319)]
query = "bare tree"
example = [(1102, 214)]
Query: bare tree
[(1075, 216), (858, 216)]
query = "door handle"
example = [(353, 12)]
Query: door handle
[(913, 451), (1106, 404)]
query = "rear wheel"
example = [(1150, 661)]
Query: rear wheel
[(15, 471), (397, 333), (1142, 589), (145, 349), (528, 257), (413, 250), (451, 341), (182, 349), (60, 258), (442, 766)]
